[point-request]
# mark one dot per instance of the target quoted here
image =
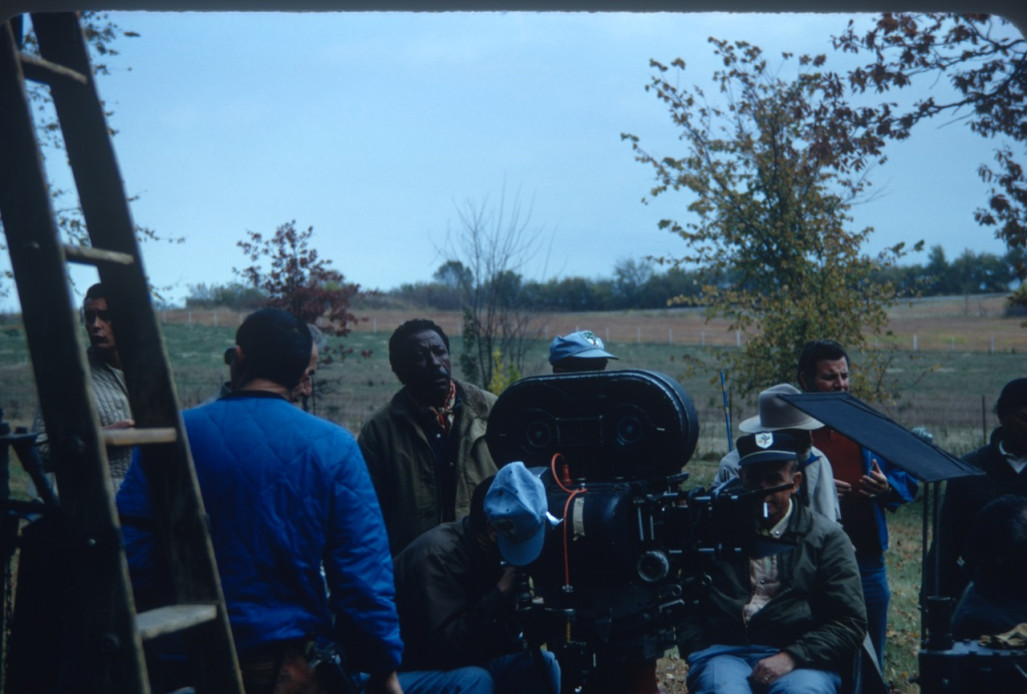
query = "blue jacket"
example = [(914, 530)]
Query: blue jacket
[(285, 493), (904, 488)]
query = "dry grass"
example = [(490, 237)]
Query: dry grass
[(966, 351), (963, 324)]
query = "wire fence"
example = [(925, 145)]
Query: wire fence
[(968, 331), (951, 400)]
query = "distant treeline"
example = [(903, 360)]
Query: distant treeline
[(643, 285)]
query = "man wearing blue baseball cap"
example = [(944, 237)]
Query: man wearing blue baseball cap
[(787, 615), (578, 351), (457, 597), (517, 508), (575, 353)]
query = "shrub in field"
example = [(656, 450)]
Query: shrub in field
[(297, 279)]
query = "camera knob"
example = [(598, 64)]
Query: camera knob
[(652, 566)]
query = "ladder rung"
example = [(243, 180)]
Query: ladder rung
[(134, 437), (47, 72), (87, 255), (173, 618)]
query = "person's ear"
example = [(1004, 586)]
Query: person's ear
[(399, 368), (796, 481)]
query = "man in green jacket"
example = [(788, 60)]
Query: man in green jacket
[(787, 614), (426, 448)]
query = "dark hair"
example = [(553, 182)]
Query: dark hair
[(816, 351), (96, 291), (1013, 396), (478, 520), (275, 345), (403, 332)]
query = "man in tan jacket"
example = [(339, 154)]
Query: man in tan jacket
[(426, 448)]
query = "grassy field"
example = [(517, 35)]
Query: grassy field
[(965, 350)]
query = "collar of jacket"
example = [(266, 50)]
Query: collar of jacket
[(466, 395)]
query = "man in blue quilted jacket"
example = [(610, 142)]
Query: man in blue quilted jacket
[(287, 496)]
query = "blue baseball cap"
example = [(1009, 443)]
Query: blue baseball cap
[(518, 510), (583, 345)]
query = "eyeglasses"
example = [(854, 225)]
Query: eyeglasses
[(91, 315)]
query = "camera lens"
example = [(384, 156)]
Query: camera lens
[(629, 431), (652, 566), (626, 426), (539, 433)]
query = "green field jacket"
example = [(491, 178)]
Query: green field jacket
[(402, 465), (819, 616)]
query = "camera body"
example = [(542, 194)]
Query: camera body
[(621, 571)]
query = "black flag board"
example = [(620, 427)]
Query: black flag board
[(873, 430)]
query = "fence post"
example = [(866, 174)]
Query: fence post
[(702, 338), (215, 318), (984, 421), (670, 337), (914, 342), (738, 338), (189, 316)]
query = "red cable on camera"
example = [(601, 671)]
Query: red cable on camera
[(562, 480)]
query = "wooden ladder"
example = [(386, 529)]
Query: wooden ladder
[(99, 647)]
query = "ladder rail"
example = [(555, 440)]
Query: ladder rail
[(107, 217), (60, 365), (39, 259)]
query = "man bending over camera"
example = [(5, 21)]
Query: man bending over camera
[(457, 598), (786, 614)]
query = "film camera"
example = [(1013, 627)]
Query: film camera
[(618, 575)]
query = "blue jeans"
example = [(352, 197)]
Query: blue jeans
[(464, 680), (726, 669), (521, 673), (876, 596), (517, 673)]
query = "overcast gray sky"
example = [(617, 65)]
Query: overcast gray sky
[(372, 128)]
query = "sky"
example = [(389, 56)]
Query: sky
[(375, 128)]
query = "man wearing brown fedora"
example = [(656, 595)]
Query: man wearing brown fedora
[(775, 414)]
